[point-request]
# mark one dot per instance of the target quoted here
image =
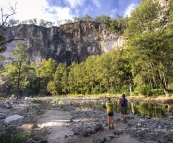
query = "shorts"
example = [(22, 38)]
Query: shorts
[(123, 110), (110, 114)]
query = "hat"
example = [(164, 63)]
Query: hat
[(123, 95)]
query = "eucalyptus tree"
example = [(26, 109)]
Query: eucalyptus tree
[(90, 74), (72, 82), (149, 44), (113, 25), (103, 71), (59, 83), (46, 71), (79, 74), (87, 18), (121, 23), (119, 71), (18, 70), (5, 15), (106, 19), (34, 86), (76, 82), (98, 19), (76, 19)]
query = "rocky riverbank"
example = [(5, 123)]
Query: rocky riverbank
[(67, 121)]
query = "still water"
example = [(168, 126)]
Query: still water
[(143, 109), (148, 109)]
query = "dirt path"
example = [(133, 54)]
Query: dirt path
[(54, 122)]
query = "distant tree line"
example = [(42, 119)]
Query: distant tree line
[(115, 25)]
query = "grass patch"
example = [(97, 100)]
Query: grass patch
[(11, 136), (2, 99)]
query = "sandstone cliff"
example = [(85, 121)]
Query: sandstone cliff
[(65, 44)]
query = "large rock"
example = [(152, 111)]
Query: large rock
[(64, 44), (13, 118), (2, 116)]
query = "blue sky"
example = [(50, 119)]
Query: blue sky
[(53, 10)]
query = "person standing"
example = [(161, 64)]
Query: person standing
[(123, 102), (110, 113)]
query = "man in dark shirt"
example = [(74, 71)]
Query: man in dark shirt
[(123, 102)]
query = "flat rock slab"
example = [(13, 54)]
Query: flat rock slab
[(53, 122), (13, 118)]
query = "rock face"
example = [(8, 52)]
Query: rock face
[(65, 44)]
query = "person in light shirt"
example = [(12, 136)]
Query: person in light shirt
[(110, 113)]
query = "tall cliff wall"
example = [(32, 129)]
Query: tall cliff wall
[(64, 44)]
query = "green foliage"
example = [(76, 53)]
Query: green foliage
[(143, 89), (96, 89), (149, 46), (18, 71), (2, 99), (145, 61), (157, 92), (151, 110), (47, 69), (125, 89), (45, 72), (51, 87), (13, 137)]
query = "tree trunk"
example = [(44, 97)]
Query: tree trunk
[(165, 88), (100, 88), (130, 88), (166, 92), (18, 80), (163, 83)]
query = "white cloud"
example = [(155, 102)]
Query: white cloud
[(129, 9), (113, 11), (76, 3), (87, 9), (97, 3), (40, 9)]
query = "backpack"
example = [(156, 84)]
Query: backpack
[(123, 101)]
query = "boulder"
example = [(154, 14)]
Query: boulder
[(13, 118), (2, 116)]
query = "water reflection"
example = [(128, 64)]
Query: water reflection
[(169, 108), (132, 108), (144, 109), (149, 109)]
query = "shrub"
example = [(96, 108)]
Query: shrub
[(143, 89), (11, 136), (96, 89), (125, 89), (157, 92)]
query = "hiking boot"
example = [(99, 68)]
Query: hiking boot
[(109, 128), (112, 128)]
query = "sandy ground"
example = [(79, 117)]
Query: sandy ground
[(53, 121)]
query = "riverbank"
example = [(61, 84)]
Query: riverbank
[(73, 121), (137, 98)]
